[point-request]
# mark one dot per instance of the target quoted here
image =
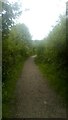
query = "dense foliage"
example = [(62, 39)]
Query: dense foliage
[(16, 39), (51, 56), (15, 48)]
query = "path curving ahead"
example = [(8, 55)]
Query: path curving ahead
[(34, 98)]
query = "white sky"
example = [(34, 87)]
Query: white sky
[(41, 16)]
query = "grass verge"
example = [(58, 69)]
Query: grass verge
[(56, 77), (8, 89)]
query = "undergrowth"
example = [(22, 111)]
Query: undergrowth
[(56, 77), (9, 88)]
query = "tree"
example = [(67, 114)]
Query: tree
[(16, 48), (9, 13)]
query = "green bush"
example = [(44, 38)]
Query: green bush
[(51, 53)]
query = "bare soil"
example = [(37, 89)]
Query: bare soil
[(34, 97)]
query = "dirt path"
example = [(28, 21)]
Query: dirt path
[(34, 98)]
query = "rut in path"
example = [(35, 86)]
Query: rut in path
[(34, 98)]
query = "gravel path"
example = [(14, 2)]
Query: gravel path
[(34, 98)]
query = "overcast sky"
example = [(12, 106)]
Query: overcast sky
[(40, 15)]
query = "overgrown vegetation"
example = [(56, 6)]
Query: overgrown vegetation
[(51, 57), (16, 48)]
